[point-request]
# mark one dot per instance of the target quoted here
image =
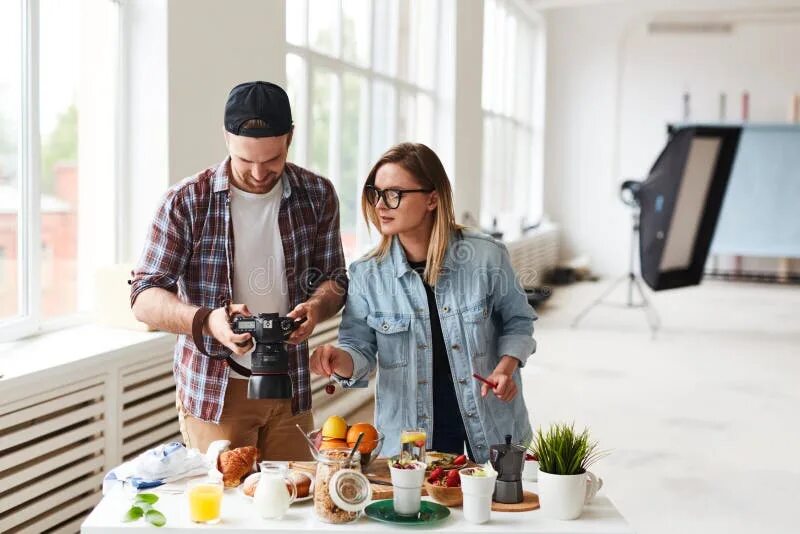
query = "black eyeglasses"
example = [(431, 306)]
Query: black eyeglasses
[(391, 197)]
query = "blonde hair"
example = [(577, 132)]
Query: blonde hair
[(427, 169)]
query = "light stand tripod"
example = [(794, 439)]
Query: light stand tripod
[(634, 281)]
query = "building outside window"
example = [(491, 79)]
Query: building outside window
[(44, 97)]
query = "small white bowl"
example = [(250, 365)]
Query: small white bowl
[(530, 471)]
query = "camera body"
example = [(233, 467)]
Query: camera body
[(269, 361)]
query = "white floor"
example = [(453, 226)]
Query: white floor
[(703, 421)]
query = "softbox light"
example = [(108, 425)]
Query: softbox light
[(680, 202)]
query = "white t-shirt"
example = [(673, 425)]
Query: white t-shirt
[(259, 267)]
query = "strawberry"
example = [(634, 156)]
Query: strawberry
[(529, 456), (436, 474), (420, 443), (453, 479), (460, 460)]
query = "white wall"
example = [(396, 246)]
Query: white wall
[(96, 151), (145, 165), (468, 111), (611, 89), (214, 46)]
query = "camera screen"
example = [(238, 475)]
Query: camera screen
[(247, 324)]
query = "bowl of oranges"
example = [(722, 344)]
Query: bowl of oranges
[(336, 434)]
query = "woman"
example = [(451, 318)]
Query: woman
[(432, 304)]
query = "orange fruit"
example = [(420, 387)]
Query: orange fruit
[(333, 444), (335, 427), (370, 440)]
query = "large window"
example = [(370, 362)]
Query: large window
[(362, 76), (46, 49), (512, 120)]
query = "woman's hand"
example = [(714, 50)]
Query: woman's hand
[(505, 388), (327, 359)]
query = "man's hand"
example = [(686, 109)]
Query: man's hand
[(327, 359), (505, 388), (217, 325), (310, 311)]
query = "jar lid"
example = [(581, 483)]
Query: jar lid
[(350, 490)]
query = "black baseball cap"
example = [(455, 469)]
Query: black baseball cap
[(258, 100)]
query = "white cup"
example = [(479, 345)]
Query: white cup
[(529, 470), (407, 488), (477, 496), (563, 496)]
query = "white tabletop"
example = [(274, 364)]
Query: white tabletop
[(239, 516)]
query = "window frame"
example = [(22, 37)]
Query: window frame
[(29, 319), (339, 67), (511, 122)]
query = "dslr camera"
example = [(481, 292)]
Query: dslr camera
[(269, 361)]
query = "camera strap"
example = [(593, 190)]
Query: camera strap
[(199, 319)]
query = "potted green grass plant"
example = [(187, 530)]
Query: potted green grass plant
[(565, 482)]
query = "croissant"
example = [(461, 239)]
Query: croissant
[(236, 464)]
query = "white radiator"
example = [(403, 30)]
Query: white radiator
[(149, 416), (62, 429), (535, 255), (52, 457)]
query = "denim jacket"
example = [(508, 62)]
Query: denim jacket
[(484, 315)]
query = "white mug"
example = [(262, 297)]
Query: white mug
[(477, 496), (529, 470), (407, 489)]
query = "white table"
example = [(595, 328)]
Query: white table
[(239, 516)]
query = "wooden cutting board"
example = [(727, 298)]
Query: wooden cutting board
[(530, 501)]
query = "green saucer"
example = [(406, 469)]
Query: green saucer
[(429, 512)]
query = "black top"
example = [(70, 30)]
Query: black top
[(448, 427)]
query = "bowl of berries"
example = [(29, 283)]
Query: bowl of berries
[(444, 486)]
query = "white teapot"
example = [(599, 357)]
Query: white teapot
[(271, 498)]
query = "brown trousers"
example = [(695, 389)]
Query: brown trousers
[(267, 424)]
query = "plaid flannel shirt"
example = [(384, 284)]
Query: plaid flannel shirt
[(189, 250)]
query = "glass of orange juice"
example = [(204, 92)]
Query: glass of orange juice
[(412, 444), (205, 500)]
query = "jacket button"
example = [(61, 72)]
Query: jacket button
[(445, 309), (422, 382), (456, 347), (422, 346), (470, 414), (462, 380), (385, 326)]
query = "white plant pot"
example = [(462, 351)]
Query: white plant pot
[(563, 496)]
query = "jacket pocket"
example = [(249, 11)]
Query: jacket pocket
[(475, 324), (392, 334)]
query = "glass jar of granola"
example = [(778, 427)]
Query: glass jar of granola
[(341, 491)]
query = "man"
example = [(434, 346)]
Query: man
[(254, 234)]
